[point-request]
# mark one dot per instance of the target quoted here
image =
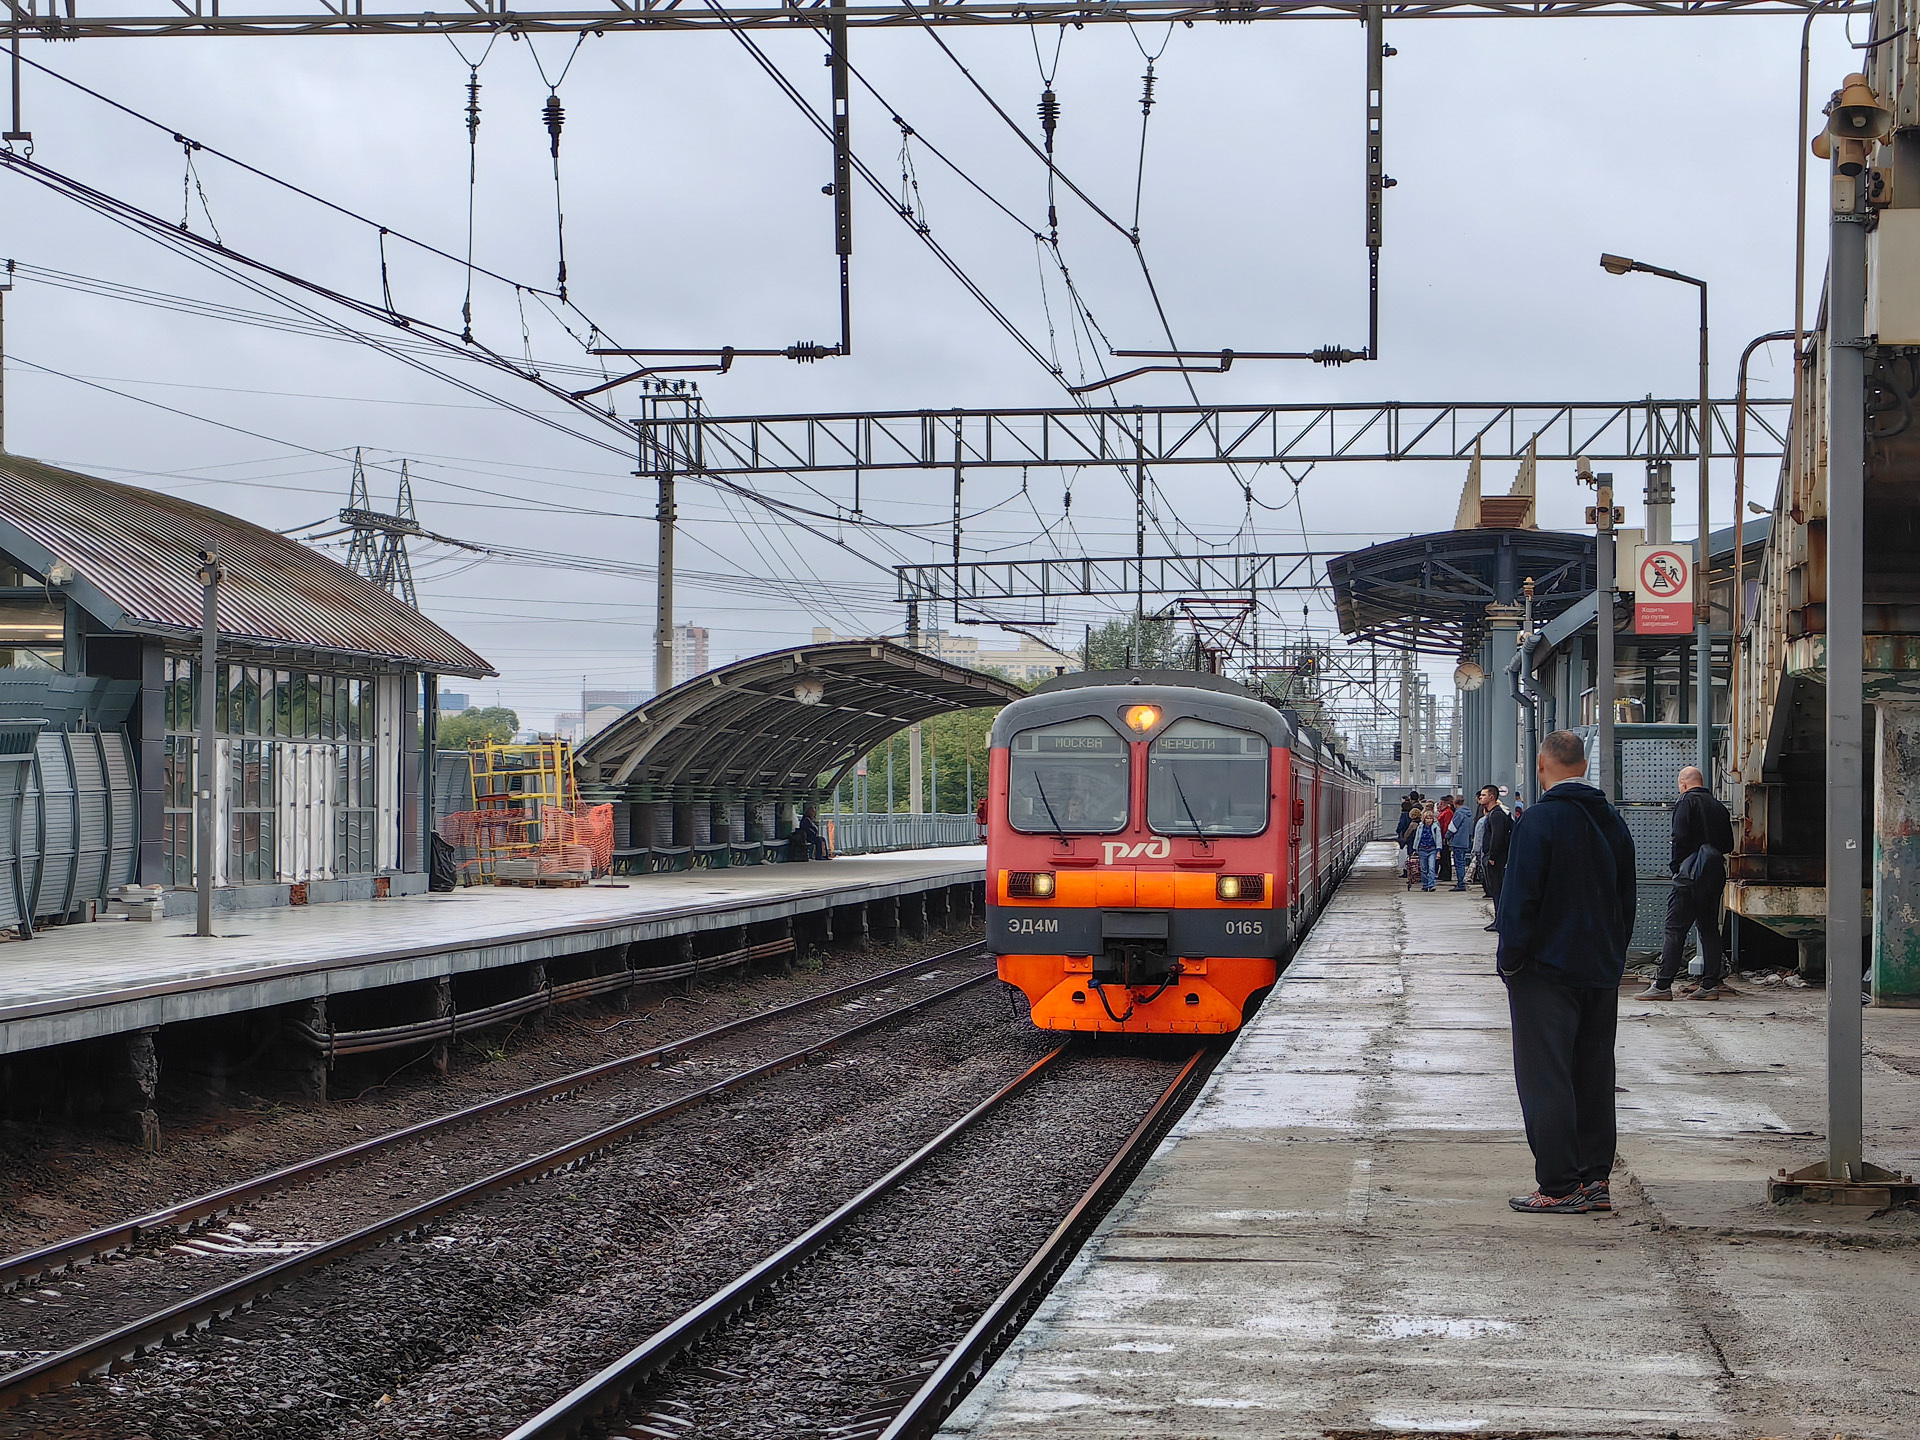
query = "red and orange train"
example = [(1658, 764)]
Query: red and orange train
[(1157, 843)]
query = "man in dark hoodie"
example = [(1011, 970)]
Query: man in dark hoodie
[(1565, 918)]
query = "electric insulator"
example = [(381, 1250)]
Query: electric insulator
[(1049, 115), (555, 117), (473, 104), (1146, 91), (808, 351)]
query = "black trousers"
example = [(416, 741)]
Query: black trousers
[(1491, 874), (1446, 863), (1563, 1069), (1688, 911)]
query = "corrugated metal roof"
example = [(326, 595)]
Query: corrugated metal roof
[(779, 724), (140, 550)]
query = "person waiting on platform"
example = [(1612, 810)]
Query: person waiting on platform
[(1445, 810), (813, 845), (1460, 840), (1702, 840), (1565, 919), (1492, 847), (1428, 839)]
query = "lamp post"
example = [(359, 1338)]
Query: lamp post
[(207, 772), (1702, 606)]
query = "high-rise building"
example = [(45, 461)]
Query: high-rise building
[(452, 702), (689, 652)]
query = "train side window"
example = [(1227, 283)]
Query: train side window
[(1068, 779), (1207, 779)]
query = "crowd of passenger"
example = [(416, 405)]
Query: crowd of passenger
[(1449, 839)]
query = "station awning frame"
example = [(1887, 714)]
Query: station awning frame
[(786, 725)]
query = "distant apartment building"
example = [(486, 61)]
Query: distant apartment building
[(689, 653), (1027, 662), (452, 703), (603, 707)]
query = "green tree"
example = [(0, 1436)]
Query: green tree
[(495, 723), (1149, 643)]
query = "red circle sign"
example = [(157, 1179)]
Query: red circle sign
[(1663, 574)]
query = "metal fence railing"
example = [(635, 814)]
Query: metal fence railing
[(852, 834)]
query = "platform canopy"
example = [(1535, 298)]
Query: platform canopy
[(784, 725), (1430, 593)]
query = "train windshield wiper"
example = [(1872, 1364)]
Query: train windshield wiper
[(1180, 790), (1058, 832)]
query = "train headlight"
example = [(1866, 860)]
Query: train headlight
[(1241, 887), (1030, 884), (1142, 718)]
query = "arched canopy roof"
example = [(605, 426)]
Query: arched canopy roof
[(1431, 593), (779, 725)]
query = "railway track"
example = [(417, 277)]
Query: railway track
[(916, 1409), (185, 1215), (127, 1341)]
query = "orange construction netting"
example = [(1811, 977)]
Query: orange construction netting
[(570, 840)]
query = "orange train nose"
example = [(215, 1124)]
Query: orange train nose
[(1209, 998)]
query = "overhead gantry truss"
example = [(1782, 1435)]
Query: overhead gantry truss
[(80, 19), (1080, 576), (1154, 436)]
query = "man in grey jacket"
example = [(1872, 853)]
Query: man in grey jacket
[(1460, 840)]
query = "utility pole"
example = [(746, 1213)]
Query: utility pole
[(6, 284), (1604, 517), (667, 429), (208, 767), (1846, 487), (1406, 715)]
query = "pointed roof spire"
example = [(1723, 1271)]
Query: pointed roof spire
[(1468, 515)]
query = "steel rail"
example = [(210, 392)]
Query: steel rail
[(568, 1415), (954, 1376), (109, 1239), (198, 1312)]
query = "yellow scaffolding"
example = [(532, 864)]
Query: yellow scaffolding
[(517, 791)]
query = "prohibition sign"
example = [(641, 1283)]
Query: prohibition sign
[(1663, 574)]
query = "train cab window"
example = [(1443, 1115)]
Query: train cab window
[(1206, 779), (1068, 779)]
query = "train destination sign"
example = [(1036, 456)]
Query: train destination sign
[(1663, 589)]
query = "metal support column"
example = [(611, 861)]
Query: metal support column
[(1406, 717), (1702, 603), (1503, 624), (1846, 485), (1896, 852), (663, 591), (207, 772)]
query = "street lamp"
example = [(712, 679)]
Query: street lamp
[(1702, 607)]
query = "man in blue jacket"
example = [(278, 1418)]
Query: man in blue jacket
[(1565, 919)]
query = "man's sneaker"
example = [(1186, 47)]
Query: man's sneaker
[(1599, 1197), (1656, 992), (1494, 928), (1706, 992), (1538, 1204)]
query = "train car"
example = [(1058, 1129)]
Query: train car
[(1157, 843)]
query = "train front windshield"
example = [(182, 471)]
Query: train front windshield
[(1206, 779), (1068, 779)]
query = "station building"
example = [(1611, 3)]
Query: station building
[(326, 705)]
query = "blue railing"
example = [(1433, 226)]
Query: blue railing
[(869, 834)]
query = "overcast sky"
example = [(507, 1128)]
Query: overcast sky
[(694, 216)]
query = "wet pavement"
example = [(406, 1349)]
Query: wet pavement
[(1323, 1247)]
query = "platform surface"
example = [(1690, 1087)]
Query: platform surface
[(1322, 1247), (78, 981)]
